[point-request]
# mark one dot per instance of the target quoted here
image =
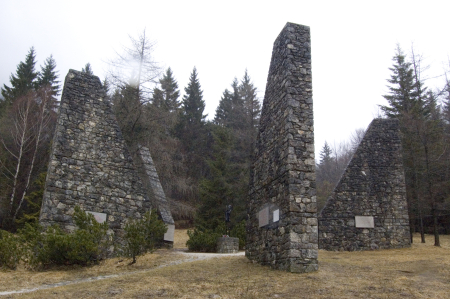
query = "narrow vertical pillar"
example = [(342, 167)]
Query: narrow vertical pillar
[(282, 229)]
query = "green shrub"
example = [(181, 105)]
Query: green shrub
[(86, 245), (10, 250), (143, 235), (239, 231), (203, 240)]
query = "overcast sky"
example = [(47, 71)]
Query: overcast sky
[(352, 44)]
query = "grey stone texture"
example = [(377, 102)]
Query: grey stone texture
[(90, 164), (372, 186), (149, 176), (283, 168), (227, 245)]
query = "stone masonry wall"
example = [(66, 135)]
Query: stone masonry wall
[(90, 165), (368, 209), (155, 192), (282, 230)]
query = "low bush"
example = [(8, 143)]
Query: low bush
[(202, 240), (143, 235), (239, 231), (205, 240), (10, 250), (86, 245)]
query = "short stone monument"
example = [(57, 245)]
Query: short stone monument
[(227, 245), (368, 208), (90, 164), (282, 227)]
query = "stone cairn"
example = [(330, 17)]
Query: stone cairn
[(368, 208), (282, 229), (90, 164)]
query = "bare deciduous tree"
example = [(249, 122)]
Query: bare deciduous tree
[(28, 126)]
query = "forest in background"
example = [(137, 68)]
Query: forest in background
[(204, 164)]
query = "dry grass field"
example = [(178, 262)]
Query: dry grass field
[(422, 271)]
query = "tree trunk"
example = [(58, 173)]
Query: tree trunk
[(435, 226)]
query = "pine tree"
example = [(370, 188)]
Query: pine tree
[(223, 110), (191, 129), (48, 76), (252, 106), (193, 103), (216, 191), (158, 99), (169, 87), (106, 86), (87, 69), (23, 81), (401, 97)]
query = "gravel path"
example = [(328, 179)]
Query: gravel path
[(192, 257)]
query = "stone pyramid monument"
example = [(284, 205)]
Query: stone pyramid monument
[(368, 208), (91, 166)]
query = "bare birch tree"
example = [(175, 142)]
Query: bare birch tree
[(28, 124)]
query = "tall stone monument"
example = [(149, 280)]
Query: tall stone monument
[(282, 229), (368, 208), (90, 164)]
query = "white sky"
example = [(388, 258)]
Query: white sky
[(352, 44)]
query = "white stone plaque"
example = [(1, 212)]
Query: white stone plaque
[(263, 217), (100, 217), (364, 222), (276, 215), (169, 235)]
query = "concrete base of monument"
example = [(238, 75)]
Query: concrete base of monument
[(227, 245)]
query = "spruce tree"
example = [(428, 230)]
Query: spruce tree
[(23, 81), (158, 99), (106, 86), (191, 129), (193, 104), (48, 76), (251, 103), (169, 87), (223, 110), (87, 69), (401, 97), (216, 191)]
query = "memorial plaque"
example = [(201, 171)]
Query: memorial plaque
[(276, 215), (263, 217), (169, 235), (100, 217), (364, 222)]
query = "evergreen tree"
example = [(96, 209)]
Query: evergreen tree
[(169, 87), (216, 191), (401, 97), (225, 184), (106, 86), (193, 104), (87, 69), (223, 110), (158, 99), (48, 76), (23, 81), (252, 106)]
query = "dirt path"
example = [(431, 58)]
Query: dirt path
[(192, 257)]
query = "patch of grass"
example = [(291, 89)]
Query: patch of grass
[(422, 271)]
